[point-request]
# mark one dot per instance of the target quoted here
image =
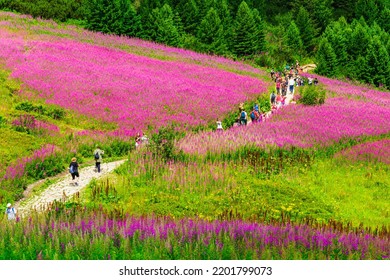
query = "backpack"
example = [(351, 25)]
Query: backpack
[(253, 115), (243, 117), (71, 169), (97, 155)]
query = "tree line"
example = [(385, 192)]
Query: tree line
[(346, 38)]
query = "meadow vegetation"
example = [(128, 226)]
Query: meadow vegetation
[(311, 182)]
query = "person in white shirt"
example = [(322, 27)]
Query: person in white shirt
[(219, 125), (11, 212), (291, 84)]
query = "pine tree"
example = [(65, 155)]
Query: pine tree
[(211, 33), (336, 34), (359, 40), (384, 19), (244, 31), (326, 59), (377, 63), (166, 31), (293, 38), (131, 22), (260, 35), (368, 9), (306, 28), (189, 13), (322, 13)]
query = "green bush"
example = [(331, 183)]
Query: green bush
[(50, 111), (312, 95)]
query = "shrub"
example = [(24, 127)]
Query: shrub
[(162, 144), (312, 95), (50, 111)]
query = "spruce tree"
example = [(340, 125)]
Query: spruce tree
[(211, 33), (244, 31), (260, 34), (326, 59), (368, 9), (377, 63), (293, 39), (189, 14), (166, 31), (306, 28), (336, 34), (322, 13)]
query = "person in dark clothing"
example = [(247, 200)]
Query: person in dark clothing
[(98, 158), (74, 171)]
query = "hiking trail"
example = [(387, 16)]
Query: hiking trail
[(63, 189)]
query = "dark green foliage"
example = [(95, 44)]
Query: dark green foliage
[(53, 112), (244, 31), (189, 13), (164, 27), (377, 64), (260, 35), (162, 144), (312, 95), (211, 33), (307, 30), (326, 59), (117, 17), (293, 38)]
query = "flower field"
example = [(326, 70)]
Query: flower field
[(309, 182), (299, 126), (99, 237), (133, 91), (377, 151)]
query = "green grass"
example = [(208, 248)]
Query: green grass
[(326, 190)]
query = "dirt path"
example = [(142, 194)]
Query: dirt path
[(63, 189)]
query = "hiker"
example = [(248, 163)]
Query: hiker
[(243, 117), (74, 171), (219, 125), (278, 101), (315, 82), (278, 84), (137, 140), (291, 84), (252, 114), (98, 158), (273, 97), (11, 212), (258, 115), (272, 74), (310, 81)]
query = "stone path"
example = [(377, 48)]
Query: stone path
[(64, 188)]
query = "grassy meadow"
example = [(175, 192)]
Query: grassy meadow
[(311, 182)]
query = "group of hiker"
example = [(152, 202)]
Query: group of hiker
[(286, 82), (74, 165)]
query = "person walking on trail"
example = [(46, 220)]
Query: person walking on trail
[(11, 212), (243, 117), (272, 97), (98, 157), (291, 84), (219, 125), (74, 171)]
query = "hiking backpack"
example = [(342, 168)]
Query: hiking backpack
[(97, 155), (71, 169), (253, 115), (243, 117)]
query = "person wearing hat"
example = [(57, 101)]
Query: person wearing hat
[(74, 171), (11, 212)]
